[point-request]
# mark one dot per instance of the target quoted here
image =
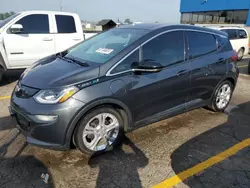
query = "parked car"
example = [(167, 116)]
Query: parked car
[(29, 36), (239, 39), (93, 93)]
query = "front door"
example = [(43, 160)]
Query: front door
[(34, 43), (166, 91)]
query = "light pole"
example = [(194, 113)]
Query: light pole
[(61, 7)]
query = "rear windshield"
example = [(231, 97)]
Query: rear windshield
[(106, 45)]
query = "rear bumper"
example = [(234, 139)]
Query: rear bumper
[(45, 125)]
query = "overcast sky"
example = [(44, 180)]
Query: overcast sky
[(95, 10)]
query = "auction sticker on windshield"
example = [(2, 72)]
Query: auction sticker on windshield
[(104, 50)]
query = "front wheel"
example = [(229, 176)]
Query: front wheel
[(99, 131), (222, 96)]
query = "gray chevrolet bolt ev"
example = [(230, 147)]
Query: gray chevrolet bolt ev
[(121, 79)]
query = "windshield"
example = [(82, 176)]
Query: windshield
[(106, 45), (3, 22)]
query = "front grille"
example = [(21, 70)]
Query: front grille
[(23, 91)]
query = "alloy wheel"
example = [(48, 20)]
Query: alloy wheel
[(223, 97), (100, 132)]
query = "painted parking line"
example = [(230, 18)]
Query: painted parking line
[(4, 97), (204, 165), (243, 66)]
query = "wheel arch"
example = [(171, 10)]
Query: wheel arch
[(118, 105)]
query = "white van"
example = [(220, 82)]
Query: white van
[(29, 36), (239, 39)]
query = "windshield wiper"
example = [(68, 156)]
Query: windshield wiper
[(73, 60)]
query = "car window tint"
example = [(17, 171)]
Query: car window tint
[(224, 43), (242, 34), (65, 24), (35, 24), (127, 63), (232, 33), (200, 44), (167, 49)]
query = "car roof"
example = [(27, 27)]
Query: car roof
[(44, 12), (225, 27), (156, 26)]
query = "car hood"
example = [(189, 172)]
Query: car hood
[(54, 72)]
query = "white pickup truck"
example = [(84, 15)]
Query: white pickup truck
[(29, 36)]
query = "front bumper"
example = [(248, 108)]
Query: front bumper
[(45, 125)]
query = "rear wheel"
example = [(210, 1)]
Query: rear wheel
[(249, 67), (222, 96), (240, 54), (99, 131), (1, 73)]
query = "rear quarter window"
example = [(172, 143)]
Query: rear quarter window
[(242, 34), (223, 43)]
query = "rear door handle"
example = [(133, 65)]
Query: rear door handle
[(182, 72), (221, 60), (47, 39)]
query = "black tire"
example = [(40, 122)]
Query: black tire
[(1, 73), (213, 105), (248, 67), (78, 133), (241, 51)]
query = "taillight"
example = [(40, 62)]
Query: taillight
[(234, 58)]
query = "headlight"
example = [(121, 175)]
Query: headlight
[(55, 96)]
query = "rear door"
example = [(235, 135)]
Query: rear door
[(34, 43), (208, 66), (67, 31)]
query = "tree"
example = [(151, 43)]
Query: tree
[(1, 16), (6, 15), (128, 21)]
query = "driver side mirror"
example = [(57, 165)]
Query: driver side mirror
[(147, 66), (16, 29)]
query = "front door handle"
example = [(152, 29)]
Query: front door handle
[(47, 39), (182, 72)]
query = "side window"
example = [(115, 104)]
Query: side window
[(200, 44), (232, 33), (127, 63), (224, 43), (65, 24), (35, 24), (242, 34), (167, 48)]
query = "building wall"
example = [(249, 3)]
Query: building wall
[(214, 5)]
